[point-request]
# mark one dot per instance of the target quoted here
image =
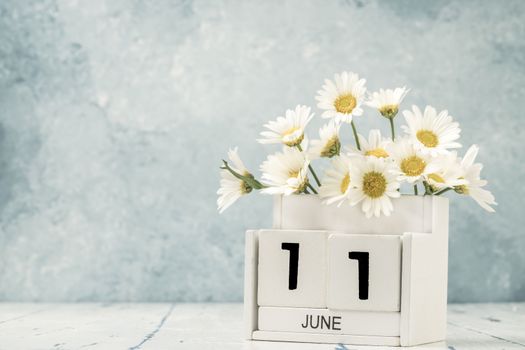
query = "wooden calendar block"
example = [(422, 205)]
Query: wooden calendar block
[(292, 268), (364, 272), (326, 274), (326, 321)]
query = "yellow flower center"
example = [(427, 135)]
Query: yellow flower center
[(413, 166), (436, 178), (374, 184), (345, 183), (302, 186), (331, 148), (291, 141), (389, 111), (377, 152), (345, 103), (428, 138), (294, 173)]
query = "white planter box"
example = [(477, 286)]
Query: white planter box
[(325, 274)]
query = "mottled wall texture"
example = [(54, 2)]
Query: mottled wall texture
[(114, 115)]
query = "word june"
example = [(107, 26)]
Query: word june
[(322, 322)]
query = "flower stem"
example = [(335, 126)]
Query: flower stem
[(443, 191), (315, 176), (355, 135), (311, 169), (415, 189), (248, 179), (312, 188), (392, 128), (427, 188)]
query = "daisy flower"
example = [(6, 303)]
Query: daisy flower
[(342, 99), (375, 184), (285, 172), (232, 188), (471, 172), (289, 129), (336, 186), (375, 146), (411, 164), (329, 144), (447, 175), (432, 133), (387, 101)]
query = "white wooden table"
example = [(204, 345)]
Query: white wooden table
[(214, 326)]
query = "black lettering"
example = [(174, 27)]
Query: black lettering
[(305, 325), (336, 321), (293, 263), (325, 321), (312, 322), (363, 262)]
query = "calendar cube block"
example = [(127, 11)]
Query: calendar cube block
[(327, 274), (364, 272), (292, 268)]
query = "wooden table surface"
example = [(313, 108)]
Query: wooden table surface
[(215, 326)]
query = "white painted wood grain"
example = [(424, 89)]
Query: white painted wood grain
[(308, 213), (76, 326), (251, 257), (217, 327), (424, 279)]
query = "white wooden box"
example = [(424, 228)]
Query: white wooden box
[(325, 274)]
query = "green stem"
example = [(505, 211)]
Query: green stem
[(442, 191), (427, 188), (355, 135), (315, 176), (311, 169), (306, 191), (312, 188), (250, 180), (392, 128), (415, 189)]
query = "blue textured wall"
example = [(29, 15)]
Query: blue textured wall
[(114, 116)]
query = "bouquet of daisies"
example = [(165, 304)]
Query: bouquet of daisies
[(369, 173)]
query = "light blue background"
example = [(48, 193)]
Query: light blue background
[(114, 116)]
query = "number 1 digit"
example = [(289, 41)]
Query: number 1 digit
[(363, 262), (293, 264)]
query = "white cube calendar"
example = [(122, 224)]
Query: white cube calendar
[(364, 272), (302, 283), (327, 274)]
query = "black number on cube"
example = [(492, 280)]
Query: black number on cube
[(363, 262), (293, 268)]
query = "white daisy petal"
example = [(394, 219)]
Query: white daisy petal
[(432, 133), (411, 164), (288, 130), (373, 185), (337, 184), (285, 172), (231, 187), (387, 101), (446, 174), (470, 172), (342, 98), (328, 145), (374, 146)]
